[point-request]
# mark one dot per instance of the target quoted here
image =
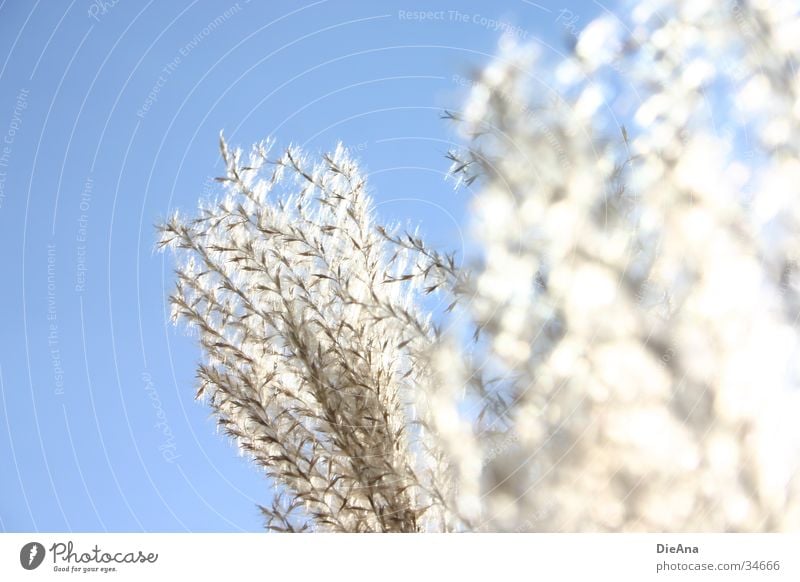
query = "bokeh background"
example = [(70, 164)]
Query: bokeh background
[(109, 119)]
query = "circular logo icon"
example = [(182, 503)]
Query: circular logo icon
[(31, 555)]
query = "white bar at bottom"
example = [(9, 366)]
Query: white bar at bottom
[(351, 558)]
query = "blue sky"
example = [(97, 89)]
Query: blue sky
[(109, 117)]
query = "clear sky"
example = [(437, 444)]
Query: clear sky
[(109, 117)]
